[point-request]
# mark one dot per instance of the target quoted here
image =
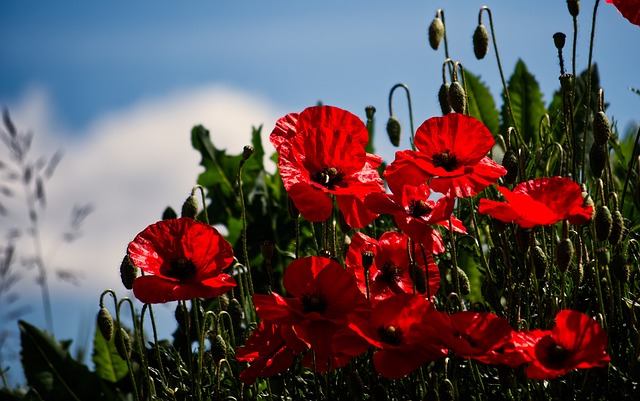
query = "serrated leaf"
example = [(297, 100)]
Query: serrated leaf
[(527, 104), (53, 373), (481, 104), (108, 364)]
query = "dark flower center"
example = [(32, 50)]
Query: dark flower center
[(314, 302), (328, 177), (557, 354), (467, 338), (180, 268), (390, 335), (446, 160), (418, 208), (389, 273)]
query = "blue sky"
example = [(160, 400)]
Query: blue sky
[(118, 86)]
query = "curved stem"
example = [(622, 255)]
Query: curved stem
[(406, 88)]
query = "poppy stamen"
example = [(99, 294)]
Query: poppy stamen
[(447, 160), (418, 208), (328, 177), (314, 302), (390, 335), (389, 273), (180, 269)]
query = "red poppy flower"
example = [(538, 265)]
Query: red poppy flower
[(322, 154), (184, 259), (325, 298), (452, 154), (389, 273), (415, 213), (576, 342), (541, 201), (630, 9), (405, 330)]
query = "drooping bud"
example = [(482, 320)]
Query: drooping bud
[(436, 32), (105, 323), (564, 254), (601, 128), (463, 280), (219, 348), (237, 314), (604, 223), (457, 97), (617, 227), (123, 343), (604, 256), (480, 41), (574, 7), (394, 130), (190, 207), (443, 99), (128, 272), (540, 262), (181, 315), (419, 278), (510, 163), (597, 159), (587, 200)]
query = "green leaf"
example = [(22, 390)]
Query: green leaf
[(53, 373), (108, 364), (527, 104), (481, 104)]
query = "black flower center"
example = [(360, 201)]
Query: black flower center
[(557, 354), (328, 177), (390, 335), (314, 302), (389, 273), (418, 208), (446, 160), (180, 269)]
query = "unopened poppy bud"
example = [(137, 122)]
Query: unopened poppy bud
[(604, 256), (190, 207), (457, 97), (443, 99), (237, 314), (105, 323), (436, 32), (247, 151), (418, 277), (604, 223), (293, 211), (510, 163), (540, 261), (367, 259), (128, 272), (169, 214), (182, 316), (394, 130), (380, 393), (463, 280), (577, 274), (574, 7), (480, 42), (564, 254), (601, 128), (219, 348), (446, 391), (123, 343), (617, 227), (587, 200), (597, 159), (621, 267), (566, 82), (369, 112), (559, 39)]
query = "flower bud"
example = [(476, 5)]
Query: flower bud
[(601, 128), (190, 207), (604, 223), (564, 254), (394, 130), (169, 214), (597, 159), (219, 348), (181, 315), (510, 163), (419, 278), (446, 391), (621, 267), (523, 239), (293, 211), (617, 228), (566, 83), (443, 99), (356, 385), (105, 323), (436, 32), (604, 256), (463, 280), (574, 7), (128, 272), (457, 97), (540, 262), (559, 39), (480, 42), (123, 344), (236, 313), (247, 151)]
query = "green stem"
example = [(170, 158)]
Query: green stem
[(406, 88)]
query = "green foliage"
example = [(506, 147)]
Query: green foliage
[(481, 104), (108, 364), (53, 373)]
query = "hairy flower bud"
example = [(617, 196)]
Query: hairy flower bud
[(128, 272), (123, 343), (540, 262), (601, 128), (617, 228), (169, 214), (190, 207), (443, 99), (436, 33), (105, 323), (394, 130), (237, 314), (457, 97), (604, 222), (597, 159), (480, 42), (464, 283), (510, 163), (604, 256), (564, 254), (219, 348)]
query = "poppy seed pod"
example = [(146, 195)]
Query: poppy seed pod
[(574, 7), (480, 42), (564, 254), (369, 111), (604, 223), (190, 207), (443, 99), (597, 159), (601, 128), (559, 40), (247, 151), (367, 259), (128, 272), (105, 323), (457, 97), (394, 130), (123, 344), (436, 33)]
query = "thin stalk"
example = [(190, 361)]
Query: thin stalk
[(632, 162), (406, 88)]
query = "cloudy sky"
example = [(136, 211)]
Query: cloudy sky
[(118, 85)]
